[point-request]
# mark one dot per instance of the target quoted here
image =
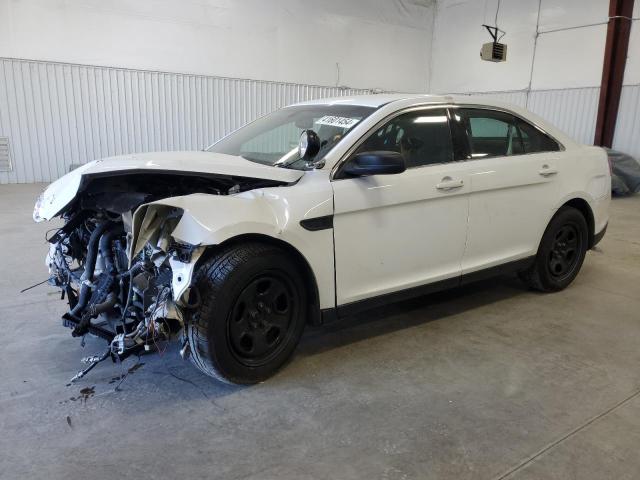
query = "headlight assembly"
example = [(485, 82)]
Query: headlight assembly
[(37, 208)]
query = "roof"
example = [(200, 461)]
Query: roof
[(377, 100), (374, 100)]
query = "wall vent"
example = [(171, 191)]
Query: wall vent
[(5, 155)]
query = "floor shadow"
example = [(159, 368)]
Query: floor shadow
[(408, 313), (174, 380)]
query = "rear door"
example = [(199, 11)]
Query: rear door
[(513, 170)]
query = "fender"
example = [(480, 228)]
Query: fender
[(212, 219), (203, 220)]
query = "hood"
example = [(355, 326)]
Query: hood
[(58, 195)]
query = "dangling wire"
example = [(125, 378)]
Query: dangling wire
[(495, 30), (495, 22)]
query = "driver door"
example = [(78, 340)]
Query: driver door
[(399, 235)]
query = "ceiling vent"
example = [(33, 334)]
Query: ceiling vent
[(5, 155)]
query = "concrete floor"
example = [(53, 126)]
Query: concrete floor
[(486, 382)]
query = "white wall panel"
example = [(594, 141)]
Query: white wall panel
[(555, 14), (568, 54), (573, 110), (627, 135), (458, 36), (56, 115), (569, 58), (297, 41)]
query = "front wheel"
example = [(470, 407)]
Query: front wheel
[(251, 314), (561, 252)]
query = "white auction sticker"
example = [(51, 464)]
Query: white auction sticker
[(334, 121)]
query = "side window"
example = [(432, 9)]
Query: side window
[(422, 137), (492, 133), (496, 134), (536, 141)]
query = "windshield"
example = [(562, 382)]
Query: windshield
[(273, 139)]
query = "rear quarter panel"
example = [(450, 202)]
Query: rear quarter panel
[(584, 171), (585, 174)]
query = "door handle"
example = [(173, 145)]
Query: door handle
[(547, 171), (448, 183)]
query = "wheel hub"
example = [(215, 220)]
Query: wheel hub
[(260, 319), (564, 251)]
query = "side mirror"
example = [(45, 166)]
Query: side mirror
[(309, 145), (374, 163)]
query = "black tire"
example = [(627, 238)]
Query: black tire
[(251, 313), (561, 252)]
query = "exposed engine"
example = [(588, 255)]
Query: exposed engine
[(117, 288)]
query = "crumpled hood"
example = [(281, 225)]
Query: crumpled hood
[(57, 195)]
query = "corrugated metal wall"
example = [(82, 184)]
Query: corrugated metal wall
[(627, 135), (573, 110), (516, 97), (56, 115)]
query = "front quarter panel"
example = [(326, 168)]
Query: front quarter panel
[(273, 212)]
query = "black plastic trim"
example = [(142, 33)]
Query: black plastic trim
[(504, 269), (107, 335), (380, 300), (598, 236), (317, 223), (329, 315)]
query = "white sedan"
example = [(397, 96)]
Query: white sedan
[(313, 213)]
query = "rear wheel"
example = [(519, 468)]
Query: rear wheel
[(251, 315), (561, 252)]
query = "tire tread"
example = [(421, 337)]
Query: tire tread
[(213, 274)]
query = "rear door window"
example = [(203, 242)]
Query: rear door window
[(491, 133)]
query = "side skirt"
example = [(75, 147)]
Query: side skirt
[(329, 315)]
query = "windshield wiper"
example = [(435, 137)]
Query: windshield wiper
[(290, 163)]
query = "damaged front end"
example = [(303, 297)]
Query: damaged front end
[(126, 278)]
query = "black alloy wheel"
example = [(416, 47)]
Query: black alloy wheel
[(251, 314), (561, 252), (565, 252), (260, 319)]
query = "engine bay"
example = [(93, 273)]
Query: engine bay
[(118, 284)]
